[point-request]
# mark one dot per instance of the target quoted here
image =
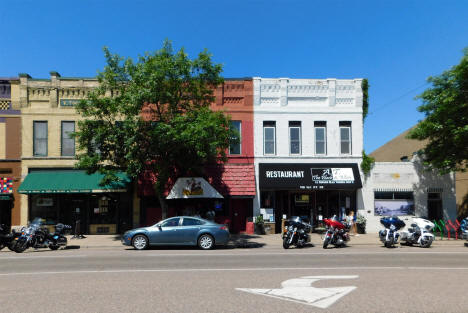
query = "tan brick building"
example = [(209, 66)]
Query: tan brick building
[(52, 189)]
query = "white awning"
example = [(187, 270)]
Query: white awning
[(192, 187), (394, 189)]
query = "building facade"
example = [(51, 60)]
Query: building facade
[(308, 148), (234, 180), (10, 152), (52, 189), (399, 185)]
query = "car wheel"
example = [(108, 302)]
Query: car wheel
[(140, 242), (205, 242)]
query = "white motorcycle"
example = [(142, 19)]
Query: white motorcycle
[(420, 233)]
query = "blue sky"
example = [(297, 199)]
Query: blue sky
[(395, 44)]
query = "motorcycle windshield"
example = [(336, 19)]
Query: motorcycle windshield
[(37, 222)]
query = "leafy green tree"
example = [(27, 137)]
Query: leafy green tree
[(445, 126), (153, 115)]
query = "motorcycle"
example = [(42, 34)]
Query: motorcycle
[(336, 233), (37, 236), (419, 233), (389, 236), (296, 232), (7, 239)]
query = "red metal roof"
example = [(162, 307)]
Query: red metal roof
[(233, 179)]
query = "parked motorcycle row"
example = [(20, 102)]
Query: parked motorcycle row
[(296, 232), (35, 235)]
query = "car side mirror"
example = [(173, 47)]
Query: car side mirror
[(159, 226)]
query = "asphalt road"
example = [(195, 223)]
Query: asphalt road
[(354, 279)]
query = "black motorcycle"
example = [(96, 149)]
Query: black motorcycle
[(37, 236), (296, 232), (7, 239)]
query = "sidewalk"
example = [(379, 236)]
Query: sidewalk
[(248, 241)]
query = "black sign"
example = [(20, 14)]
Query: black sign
[(309, 176)]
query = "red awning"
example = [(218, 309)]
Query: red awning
[(233, 179)]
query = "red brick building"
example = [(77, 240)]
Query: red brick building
[(235, 180)]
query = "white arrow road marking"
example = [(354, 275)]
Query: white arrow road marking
[(301, 290)]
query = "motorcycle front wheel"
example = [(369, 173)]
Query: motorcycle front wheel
[(20, 246), (286, 243), (426, 243), (326, 241), (54, 247)]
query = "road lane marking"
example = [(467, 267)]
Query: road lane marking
[(182, 270), (28, 257), (300, 290)]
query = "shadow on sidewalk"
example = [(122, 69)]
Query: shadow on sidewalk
[(244, 241)]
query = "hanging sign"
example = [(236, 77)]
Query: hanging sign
[(6, 185)]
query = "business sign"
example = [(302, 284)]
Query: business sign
[(309, 176)]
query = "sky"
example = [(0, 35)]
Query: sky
[(395, 44)]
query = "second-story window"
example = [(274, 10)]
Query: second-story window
[(40, 138), (295, 137), (345, 137), (269, 138), (68, 143), (236, 139), (320, 137)]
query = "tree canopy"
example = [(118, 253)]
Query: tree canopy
[(153, 114), (445, 126)]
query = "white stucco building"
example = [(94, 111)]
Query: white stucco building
[(407, 190), (308, 137)]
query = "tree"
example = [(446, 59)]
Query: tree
[(445, 126), (153, 115)]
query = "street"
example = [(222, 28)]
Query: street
[(404, 279)]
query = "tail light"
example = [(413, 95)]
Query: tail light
[(224, 228)]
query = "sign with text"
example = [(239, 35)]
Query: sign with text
[(309, 176)]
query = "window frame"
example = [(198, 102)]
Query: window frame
[(349, 141), (46, 139), (240, 139), (62, 139), (324, 139), (299, 140), (265, 127)]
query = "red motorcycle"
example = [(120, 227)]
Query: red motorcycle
[(336, 234)]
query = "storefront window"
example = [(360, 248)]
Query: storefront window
[(393, 203), (45, 207)]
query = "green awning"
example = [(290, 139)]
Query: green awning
[(76, 181)]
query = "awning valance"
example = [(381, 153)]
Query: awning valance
[(192, 187), (73, 181), (393, 189)]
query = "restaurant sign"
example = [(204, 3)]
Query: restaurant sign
[(309, 176)]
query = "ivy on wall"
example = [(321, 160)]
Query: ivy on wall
[(365, 98), (367, 163)]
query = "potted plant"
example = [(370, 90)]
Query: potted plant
[(361, 224), (259, 225)]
